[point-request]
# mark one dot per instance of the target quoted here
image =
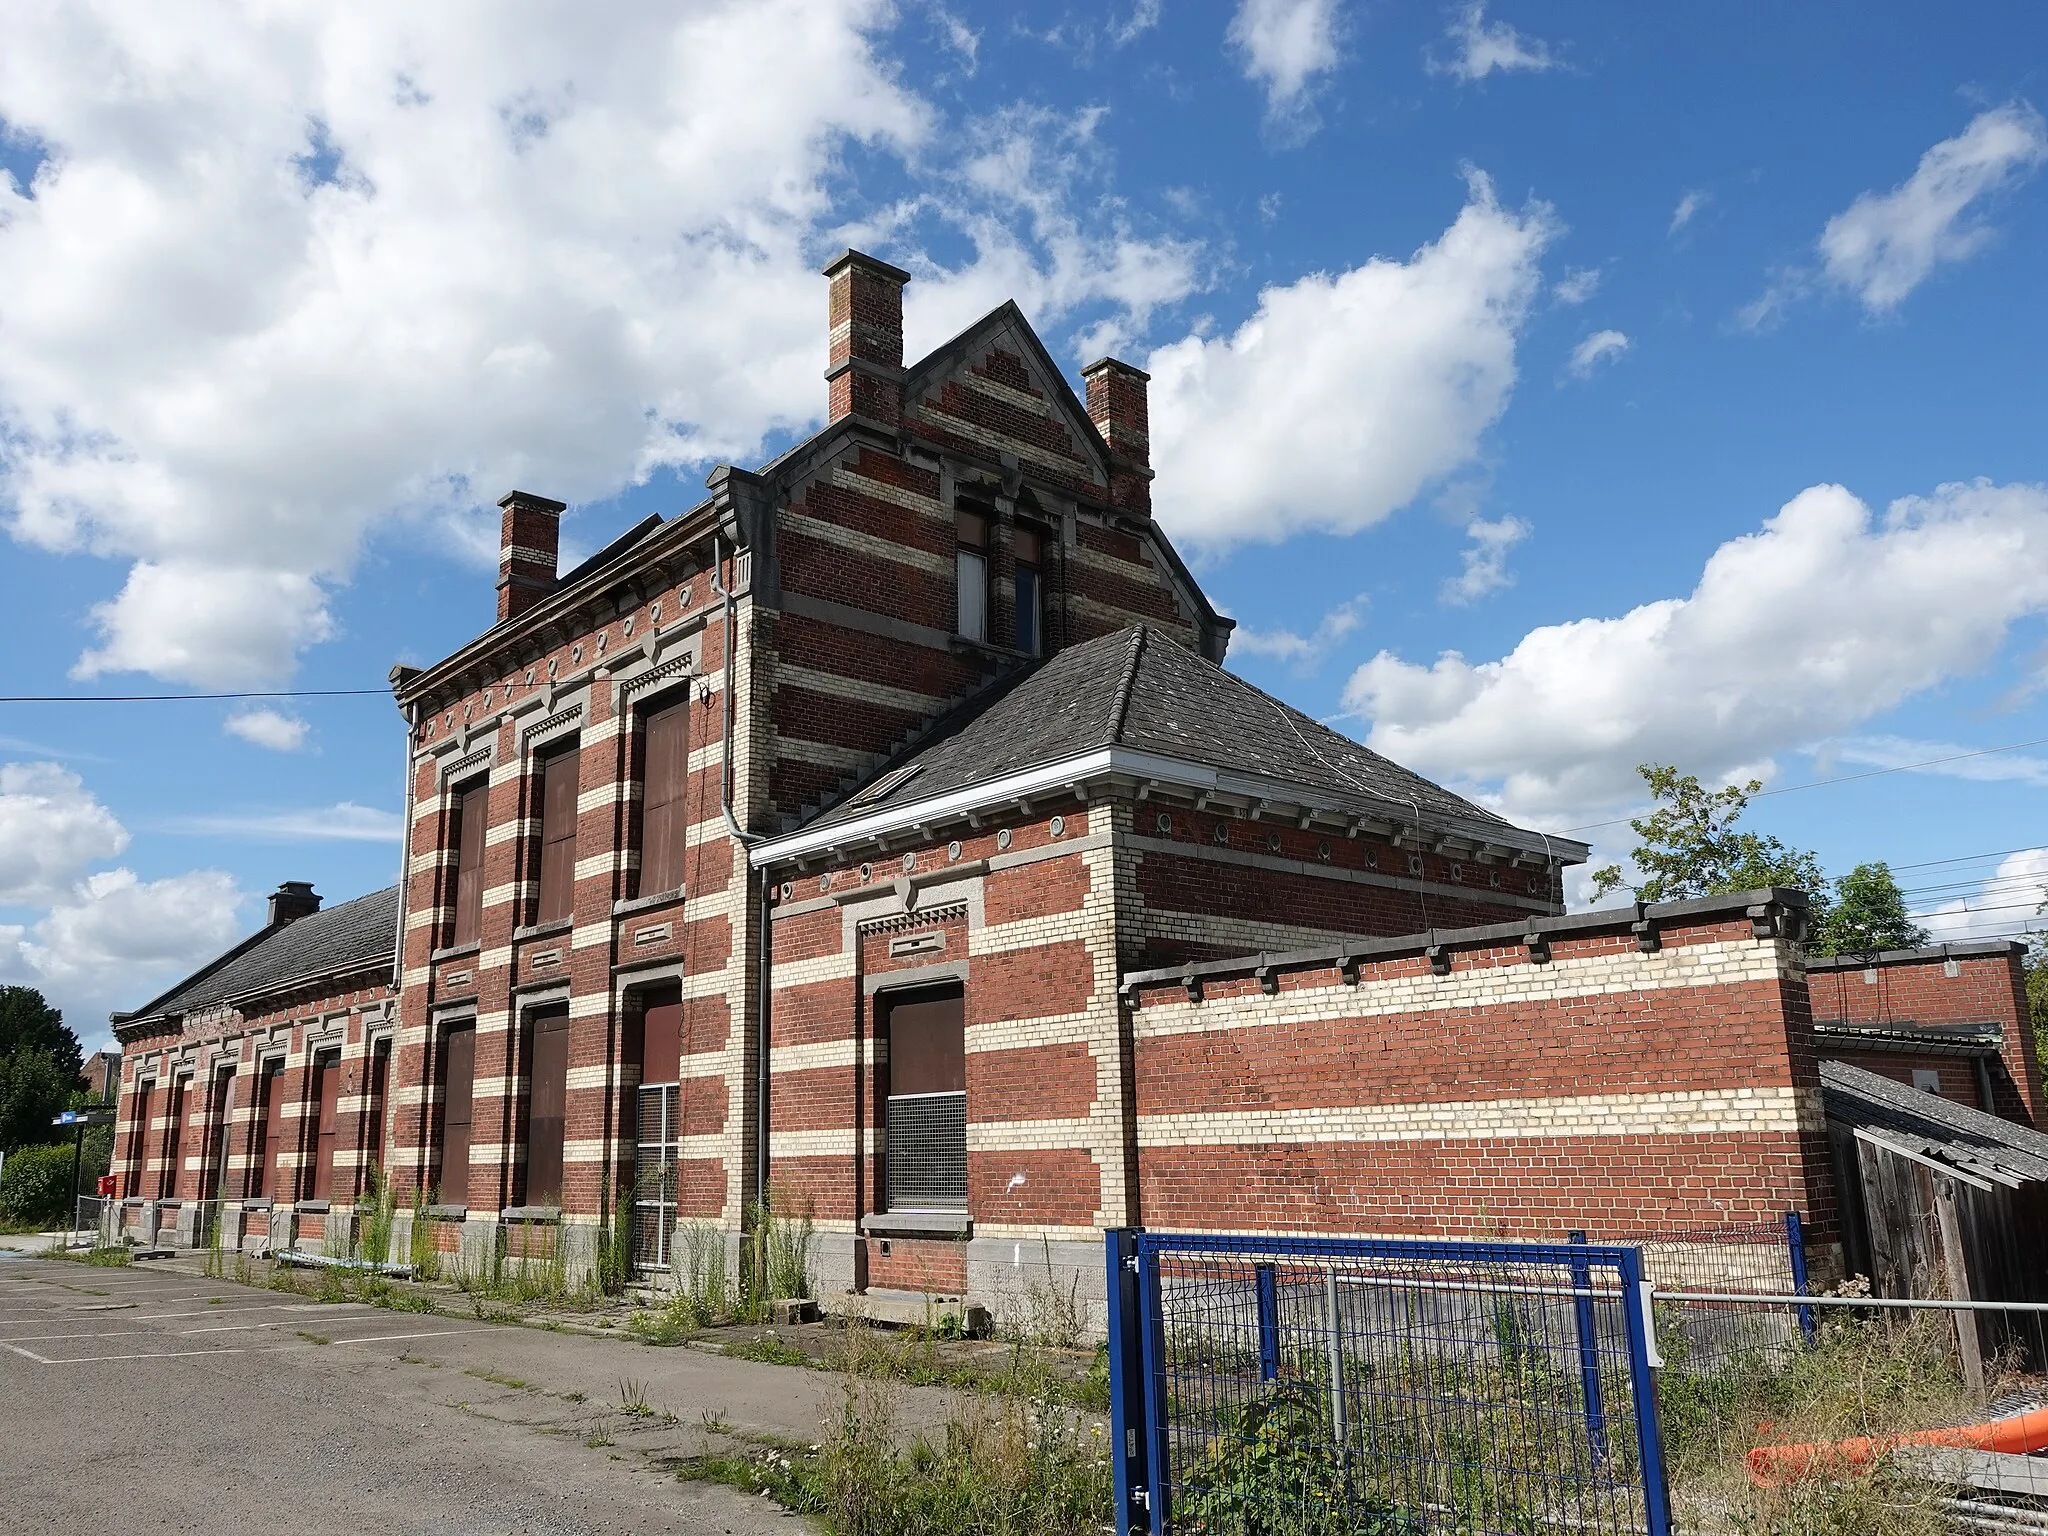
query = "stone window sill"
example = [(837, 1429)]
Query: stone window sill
[(949, 1224), (453, 952), (624, 908), (313, 1207), (537, 1215), (448, 1212), (544, 930), (257, 1204)]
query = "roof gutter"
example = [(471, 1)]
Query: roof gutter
[(1069, 774)]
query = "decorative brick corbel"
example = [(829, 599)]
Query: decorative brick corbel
[(1192, 984), (1269, 979), (1439, 959), (1648, 940), (1348, 967), (1537, 943)]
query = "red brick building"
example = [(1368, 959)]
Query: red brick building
[(263, 1079), (885, 834)]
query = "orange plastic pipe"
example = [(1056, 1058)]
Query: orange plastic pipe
[(1772, 1466)]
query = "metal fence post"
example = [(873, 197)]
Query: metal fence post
[(1340, 1428), (1152, 1350), (1269, 1322), (1795, 1243), (1635, 1299), (1130, 1444), (1589, 1352)]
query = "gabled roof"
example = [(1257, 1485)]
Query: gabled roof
[(356, 935), (1933, 1126), (1138, 691)]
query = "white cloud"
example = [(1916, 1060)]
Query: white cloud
[(1577, 285), (1143, 18), (1795, 634), (958, 36), (2008, 901), (344, 822), (118, 940), (268, 728), (1344, 396), (51, 829), (1284, 46), (284, 280), (1485, 46), (1486, 559), (1886, 244), (1301, 651), (1687, 209), (1594, 350)]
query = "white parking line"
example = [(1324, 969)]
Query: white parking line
[(393, 1338)]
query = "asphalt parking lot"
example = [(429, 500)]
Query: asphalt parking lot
[(142, 1399)]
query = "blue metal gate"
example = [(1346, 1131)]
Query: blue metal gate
[(1281, 1386)]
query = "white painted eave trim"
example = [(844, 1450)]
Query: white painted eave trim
[(1125, 763)]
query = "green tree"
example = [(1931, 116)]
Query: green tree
[(1869, 914), (27, 1021), (2037, 992), (39, 1066), (1690, 847)]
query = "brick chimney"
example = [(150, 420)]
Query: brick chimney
[(1116, 404), (866, 317), (529, 543), (292, 900)]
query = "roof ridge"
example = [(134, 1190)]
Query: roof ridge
[(1123, 688)]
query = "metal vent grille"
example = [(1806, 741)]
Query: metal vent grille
[(927, 1152), (654, 1187)]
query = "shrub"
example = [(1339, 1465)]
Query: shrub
[(35, 1187)]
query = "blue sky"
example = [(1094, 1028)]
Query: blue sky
[(1477, 334)]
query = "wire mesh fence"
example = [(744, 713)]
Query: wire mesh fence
[(1313, 1386), (1757, 1259)]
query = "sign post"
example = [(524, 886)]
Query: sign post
[(78, 1120)]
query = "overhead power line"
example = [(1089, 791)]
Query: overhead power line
[(1847, 778), (185, 698)]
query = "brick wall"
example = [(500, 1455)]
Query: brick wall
[(1511, 1095), (1943, 987)]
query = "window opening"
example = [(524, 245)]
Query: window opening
[(471, 822), (214, 1178), (970, 569), (663, 818), (174, 1140), (659, 1133), (558, 836), (458, 1077), (266, 1178), (326, 1104), (373, 1120), (924, 1113), (1029, 549), (547, 1091)]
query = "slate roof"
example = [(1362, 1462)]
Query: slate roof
[(355, 934), (1932, 1125), (1136, 688)]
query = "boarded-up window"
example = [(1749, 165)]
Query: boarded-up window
[(267, 1177), (471, 821), (373, 1116), (924, 1118), (661, 1052), (174, 1136), (558, 836), (458, 1079), (663, 821), (326, 1119), (215, 1181), (138, 1140), (546, 1104)]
